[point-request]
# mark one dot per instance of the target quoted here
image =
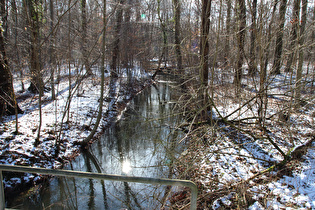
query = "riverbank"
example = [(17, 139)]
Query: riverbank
[(61, 131), (238, 163)]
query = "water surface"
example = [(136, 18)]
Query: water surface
[(143, 143)]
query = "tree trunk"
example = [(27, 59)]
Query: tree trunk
[(227, 41), (241, 42), (279, 39), (4, 18), (264, 57), (84, 38), (295, 25), (115, 52), (204, 58), (128, 36), (163, 56), (100, 109), (252, 55), (18, 59), (37, 83), (52, 51), (69, 63), (204, 42), (301, 37), (8, 104), (177, 11)]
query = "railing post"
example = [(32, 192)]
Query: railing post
[(194, 194), (2, 200)]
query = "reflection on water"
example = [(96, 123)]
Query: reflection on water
[(126, 167), (143, 144)]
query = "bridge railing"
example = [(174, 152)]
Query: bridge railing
[(90, 175)]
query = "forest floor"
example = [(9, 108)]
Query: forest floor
[(233, 161), (60, 135)]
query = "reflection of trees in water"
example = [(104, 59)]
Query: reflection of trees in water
[(122, 149), (147, 138), (88, 156)]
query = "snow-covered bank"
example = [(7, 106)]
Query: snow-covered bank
[(223, 159), (60, 135)]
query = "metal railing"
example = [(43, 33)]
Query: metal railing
[(90, 175)]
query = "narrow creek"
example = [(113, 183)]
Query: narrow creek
[(142, 143)]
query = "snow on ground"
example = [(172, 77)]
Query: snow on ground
[(226, 159), (219, 163), (57, 130)]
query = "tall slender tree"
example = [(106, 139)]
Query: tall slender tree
[(177, 12), (34, 17), (8, 104), (117, 29), (84, 50), (52, 56), (294, 34), (253, 31), (204, 58), (279, 38), (17, 49), (301, 38), (100, 112), (204, 42), (228, 28), (264, 58), (241, 42), (128, 35), (163, 24)]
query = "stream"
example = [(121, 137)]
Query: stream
[(142, 143)]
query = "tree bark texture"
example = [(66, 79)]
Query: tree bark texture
[(252, 55), (279, 38), (52, 60), (241, 42), (37, 84), (227, 40), (295, 21), (204, 42), (177, 11), (301, 38), (116, 51), (204, 59), (8, 104), (84, 37)]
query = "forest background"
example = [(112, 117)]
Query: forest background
[(247, 65)]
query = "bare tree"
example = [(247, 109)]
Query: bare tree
[(34, 17), (177, 12), (264, 48), (301, 38), (204, 42), (293, 42), (228, 31), (8, 104), (241, 42), (204, 57), (4, 18), (115, 50), (17, 49), (253, 31), (52, 50), (100, 112), (279, 38), (84, 37), (163, 24)]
